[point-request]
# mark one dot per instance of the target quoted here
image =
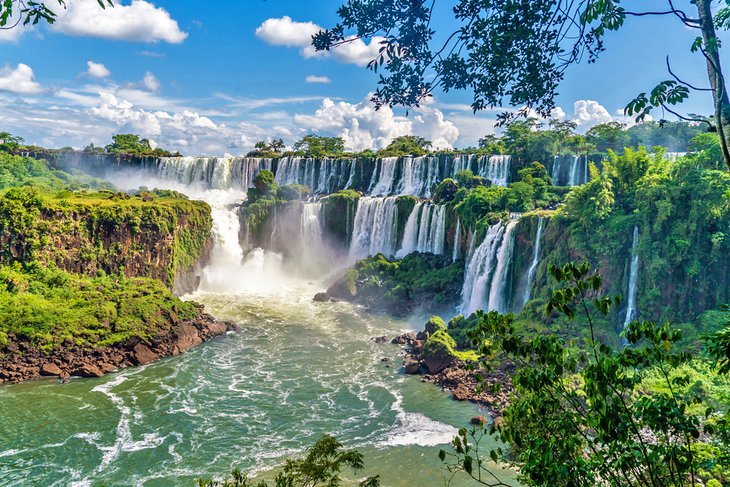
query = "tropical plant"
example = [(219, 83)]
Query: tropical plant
[(578, 417), (321, 466)]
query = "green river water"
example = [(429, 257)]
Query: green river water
[(295, 371)]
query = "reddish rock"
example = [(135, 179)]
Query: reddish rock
[(479, 420), (142, 355), (50, 370), (187, 337), (462, 393), (107, 368), (89, 370)]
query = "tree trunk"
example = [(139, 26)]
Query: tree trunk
[(717, 80)]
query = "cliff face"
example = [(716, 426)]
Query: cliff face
[(166, 238)]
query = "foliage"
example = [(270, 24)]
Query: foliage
[(47, 306), (132, 145), (516, 53), (264, 185), (144, 234), (578, 416), (322, 466), (399, 286), (406, 145), (271, 149), (9, 142), (293, 192), (23, 171), (319, 146)]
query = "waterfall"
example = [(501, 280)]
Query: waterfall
[(438, 230), (535, 261), (212, 172), (410, 233), (311, 226), (487, 271), (631, 310), (557, 163), (457, 242), (375, 227), (386, 176), (495, 168), (425, 230), (577, 171)]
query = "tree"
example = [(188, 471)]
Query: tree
[(579, 417), (515, 53), (407, 145), (9, 142), (319, 146), (611, 135), (321, 466)]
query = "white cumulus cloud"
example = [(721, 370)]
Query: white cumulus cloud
[(97, 70), (588, 113), (287, 32), (140, 21), (363, 127), (20, 80), (318, 79)]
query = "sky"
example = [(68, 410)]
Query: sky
[(213, 78)]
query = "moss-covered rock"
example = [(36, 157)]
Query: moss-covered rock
[(439, 352), (435, 324)]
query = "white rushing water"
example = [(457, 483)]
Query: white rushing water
[(533, 265), (425, 230), (631, 311), (574, 173), (374, 230), (456, 252), (487, 271)]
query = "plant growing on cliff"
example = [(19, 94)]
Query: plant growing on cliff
[(321, 466), (578, 417)]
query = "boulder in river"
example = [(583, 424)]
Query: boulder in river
[(412, 366), (51, 370), (321, 298)]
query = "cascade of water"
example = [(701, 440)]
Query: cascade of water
[(557, 163), (386, 178), (495, 168), (456, 254), (631, 310), (575, 171), (586, 171), (438, 230), (227, 252), (410, 233), (535, 261), (487, 271), (375, 227), (424, 229)]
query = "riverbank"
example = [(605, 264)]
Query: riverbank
[(457, 376), (21, 362)]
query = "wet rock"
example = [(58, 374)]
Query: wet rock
[(187, 337), (385, 359), (479, 420), (321, 298), (405, 339), (380, 339), (50, 370), (412, 366)]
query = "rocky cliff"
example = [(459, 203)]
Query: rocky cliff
[(161, 236)]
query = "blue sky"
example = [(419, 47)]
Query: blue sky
[(214, 80)]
